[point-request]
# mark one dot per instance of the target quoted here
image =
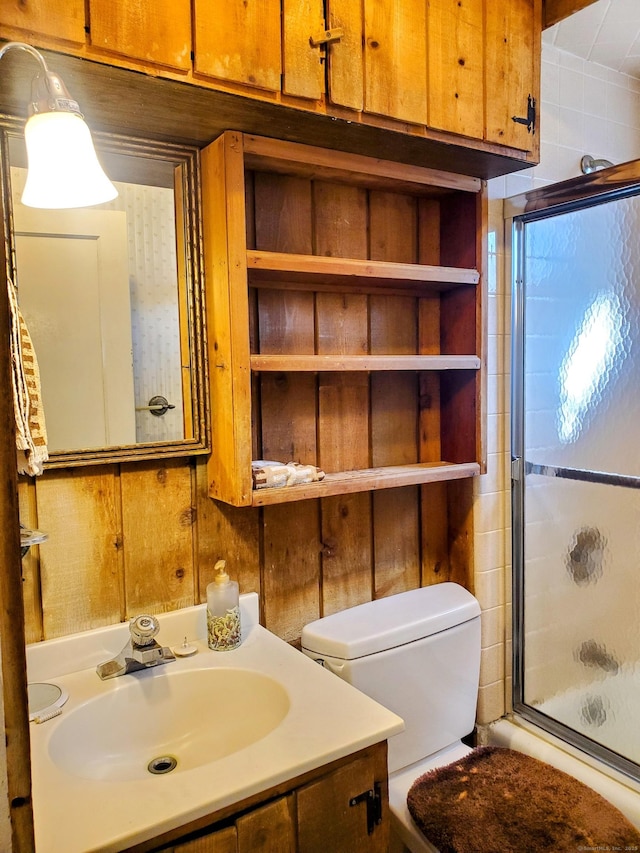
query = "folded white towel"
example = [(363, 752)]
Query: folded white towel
[(276, 475), (31, 431)]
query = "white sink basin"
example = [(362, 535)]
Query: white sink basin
[(147, 722), (239, 723)]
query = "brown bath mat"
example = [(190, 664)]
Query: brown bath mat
[(496, 800)]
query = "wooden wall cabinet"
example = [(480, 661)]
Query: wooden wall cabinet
[(326, 811), (466, 68), (239, 42), (157, 32), (152, 31), (345, 320), (65, 21)]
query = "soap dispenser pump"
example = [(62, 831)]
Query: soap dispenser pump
[(223, 611)]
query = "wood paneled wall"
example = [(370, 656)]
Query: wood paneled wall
[(144, 537)]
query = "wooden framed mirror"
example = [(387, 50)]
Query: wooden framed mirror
[(114, 300)]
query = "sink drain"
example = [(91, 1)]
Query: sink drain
[(162, 764)]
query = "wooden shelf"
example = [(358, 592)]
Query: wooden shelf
[(363, 363), (323, 164), (368, 479), (323, 355), (263, 267)]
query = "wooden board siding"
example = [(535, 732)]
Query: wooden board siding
[(15, 775), (100, 566), (81, 569), (394, 330)]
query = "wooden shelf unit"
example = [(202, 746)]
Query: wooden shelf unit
[(345, 319)]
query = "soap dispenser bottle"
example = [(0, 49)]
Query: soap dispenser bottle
[(223, 611)]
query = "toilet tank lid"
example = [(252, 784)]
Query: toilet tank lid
[(390, 622)]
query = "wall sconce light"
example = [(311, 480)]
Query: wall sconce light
[(63, 168)]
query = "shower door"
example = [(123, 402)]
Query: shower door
[(576, 462)]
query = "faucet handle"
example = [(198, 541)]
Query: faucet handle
[(143, 629)]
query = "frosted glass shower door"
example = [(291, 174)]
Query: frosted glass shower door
[(576, 449)]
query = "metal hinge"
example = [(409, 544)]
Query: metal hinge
[(373, 799), (516, 469), (530, 120)]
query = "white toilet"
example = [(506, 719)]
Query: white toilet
[(418, 654)]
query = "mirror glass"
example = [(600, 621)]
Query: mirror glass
[(112, 297)]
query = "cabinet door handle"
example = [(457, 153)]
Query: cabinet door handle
[(326, 36)]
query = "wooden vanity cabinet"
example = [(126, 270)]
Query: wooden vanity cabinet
[(269, 829), (338, 808), (345, 319)]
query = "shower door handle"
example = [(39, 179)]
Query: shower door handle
[(516, 469)]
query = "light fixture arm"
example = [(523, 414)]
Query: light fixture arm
[(48, 92), (20, 45)]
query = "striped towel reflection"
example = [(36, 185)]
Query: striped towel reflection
[(31, 432)]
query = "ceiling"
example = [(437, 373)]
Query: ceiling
[(607, 32)]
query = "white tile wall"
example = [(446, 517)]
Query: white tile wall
[(585, 109)]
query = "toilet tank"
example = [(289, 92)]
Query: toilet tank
[(417, 653)]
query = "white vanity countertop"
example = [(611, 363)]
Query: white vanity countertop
[(328, 719)]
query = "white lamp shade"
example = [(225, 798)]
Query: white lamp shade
[(63, 168)]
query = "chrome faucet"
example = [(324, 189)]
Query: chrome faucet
[(141, 652)]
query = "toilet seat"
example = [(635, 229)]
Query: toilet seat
[(402, 824)]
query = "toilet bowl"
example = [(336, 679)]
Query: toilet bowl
[(417, 653)]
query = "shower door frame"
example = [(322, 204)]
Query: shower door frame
[(598, 188)]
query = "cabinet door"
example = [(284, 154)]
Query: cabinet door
[(395, 59), (221, 841), (60, 20), (302, 24), (512, 50), (155, 31), (239, 40), (455, 70), (329, 823), (345, 69), (268, 829)]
